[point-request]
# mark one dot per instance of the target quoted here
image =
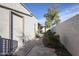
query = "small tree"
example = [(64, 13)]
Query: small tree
[(52, 17)]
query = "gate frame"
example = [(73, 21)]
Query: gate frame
[(11, 28)]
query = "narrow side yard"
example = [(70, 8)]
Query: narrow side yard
[(40, 50), (43, 46), (35, 48)]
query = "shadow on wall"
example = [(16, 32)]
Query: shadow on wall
[(7, 46)]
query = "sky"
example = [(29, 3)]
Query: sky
[(66, 10)]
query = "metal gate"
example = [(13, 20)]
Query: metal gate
[(6, 47)]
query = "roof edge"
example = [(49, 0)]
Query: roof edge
[(28, 10), (26, 7)]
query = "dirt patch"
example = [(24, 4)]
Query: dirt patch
[(60, 50)]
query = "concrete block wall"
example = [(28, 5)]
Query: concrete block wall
[(69, 34)]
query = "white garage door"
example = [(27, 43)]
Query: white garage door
[(18, 29)]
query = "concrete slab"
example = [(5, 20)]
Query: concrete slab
[(41, 51)]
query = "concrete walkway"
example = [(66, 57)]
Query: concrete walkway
[(40, 50), (36, 48)]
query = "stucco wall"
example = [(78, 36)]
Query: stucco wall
[(69, 34), (30, 23), (4, 23), (16, 6)]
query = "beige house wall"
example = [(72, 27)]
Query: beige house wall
[(16, 6), (4, 23), (29, 21)]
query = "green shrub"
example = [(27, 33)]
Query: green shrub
[(53, 39)]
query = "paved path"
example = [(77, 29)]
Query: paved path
[(36, 48), (40, 50)]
